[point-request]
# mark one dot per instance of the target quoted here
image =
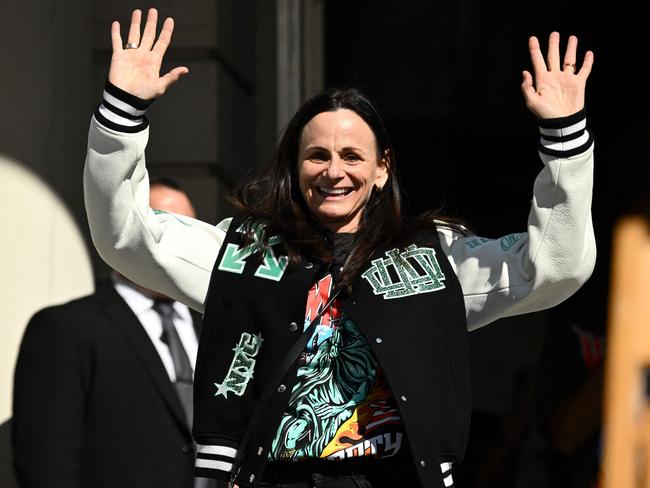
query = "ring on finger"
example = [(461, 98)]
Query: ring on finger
[(135, 45), (572, 65)]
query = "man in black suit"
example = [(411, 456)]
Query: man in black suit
[(97, 397)]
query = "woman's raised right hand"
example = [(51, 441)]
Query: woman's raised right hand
[(137, 70)]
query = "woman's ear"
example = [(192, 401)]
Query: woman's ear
[(383, 169)]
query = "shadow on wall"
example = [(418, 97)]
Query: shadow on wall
[(44, 261)]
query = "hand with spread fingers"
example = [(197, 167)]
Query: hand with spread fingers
[(135, 66), (558, 87)]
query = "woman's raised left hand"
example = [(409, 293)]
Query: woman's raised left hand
[(558, 86)]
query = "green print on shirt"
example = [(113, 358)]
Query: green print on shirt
[(242, 366), (336, 379), (417, 271), (234, 257)]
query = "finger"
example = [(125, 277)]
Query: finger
[(116, 38), (134, 29), (172, 77), (587, 63), (149, 34), (527, 87), (570, 54), (553, 55), (165, 37), (536, 57)]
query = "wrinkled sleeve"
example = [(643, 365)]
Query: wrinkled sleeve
[(540, 267), (169, 253)]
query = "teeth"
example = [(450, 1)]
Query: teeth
[(333, 191)]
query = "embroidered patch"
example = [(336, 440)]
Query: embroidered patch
[(242, 366), (416, 270), (510, 240), (272, 267)]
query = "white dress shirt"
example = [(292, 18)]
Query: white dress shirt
[(141, 305)]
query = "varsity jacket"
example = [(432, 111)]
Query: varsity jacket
[(408, 304), (514, 274)]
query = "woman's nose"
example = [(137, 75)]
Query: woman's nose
[(334, 169)]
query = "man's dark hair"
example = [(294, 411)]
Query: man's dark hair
[(165, 181)]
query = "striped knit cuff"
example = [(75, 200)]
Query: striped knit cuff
[(565, 136), (122, 111), (447, 478), (214, 461)]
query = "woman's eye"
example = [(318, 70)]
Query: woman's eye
[(352, 157), (319, 156)]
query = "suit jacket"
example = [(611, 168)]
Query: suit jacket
[(93, 404)]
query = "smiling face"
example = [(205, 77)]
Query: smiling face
[(338, 166)]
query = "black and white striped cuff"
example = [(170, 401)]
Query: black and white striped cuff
[(122, 111), (565, 136), (214, 461), (447, 478)]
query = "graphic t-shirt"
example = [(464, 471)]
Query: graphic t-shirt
[(341, 405)]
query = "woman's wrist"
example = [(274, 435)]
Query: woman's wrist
[(122, 111), (564, 137)]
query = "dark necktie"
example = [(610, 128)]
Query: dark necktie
[(183, 369), (182, 365)]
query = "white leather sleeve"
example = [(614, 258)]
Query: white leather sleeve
[(541, 267), (169, 253)]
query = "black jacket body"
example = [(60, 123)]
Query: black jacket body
[(418, 337)]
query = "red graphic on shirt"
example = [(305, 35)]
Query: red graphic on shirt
[(374, 429), (317, 298)]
